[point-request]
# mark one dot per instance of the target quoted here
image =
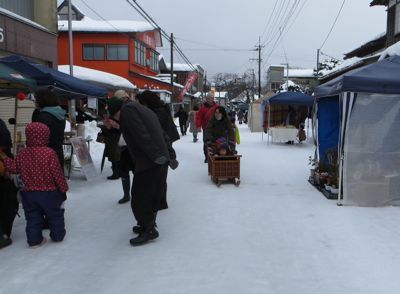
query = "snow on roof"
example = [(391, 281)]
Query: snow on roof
[(390, 51), (21, 18), (97, 76), (343, 65), (300, 73), (180, 67), (91, 25)]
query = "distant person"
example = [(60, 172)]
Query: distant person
[(182, 115), (203, 117), (240, 116), (44, 185), (192, 121), (147, 145), (8, 192)]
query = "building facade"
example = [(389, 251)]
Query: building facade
[(123, 48), (27, 28)]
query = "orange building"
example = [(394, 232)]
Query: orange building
[(125, 48)]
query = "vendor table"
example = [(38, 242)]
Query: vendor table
[(283, 134)]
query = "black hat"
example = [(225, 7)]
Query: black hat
[(114, 104)]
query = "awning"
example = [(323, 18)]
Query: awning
[(67, 86), (12, 79)]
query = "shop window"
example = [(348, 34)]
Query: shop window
[(140, 53), (117, 52), (154, 61), (93, 52)]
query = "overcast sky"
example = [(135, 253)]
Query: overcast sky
[(204, 28)]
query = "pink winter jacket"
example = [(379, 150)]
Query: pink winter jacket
[(38, 164)]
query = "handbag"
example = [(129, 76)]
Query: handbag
[(101, 138)]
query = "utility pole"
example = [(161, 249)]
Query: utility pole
[(172, 67), (287, 76), (259, 68), (71, 102), (258, 48)]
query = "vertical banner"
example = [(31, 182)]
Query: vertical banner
[(192, 77)]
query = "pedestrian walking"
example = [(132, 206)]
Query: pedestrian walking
[(203, 117), (192, 121), (182, 115)]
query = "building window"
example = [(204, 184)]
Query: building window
[(397, 19), (93, 52), (117, 52), (140, 53), (154, 60)]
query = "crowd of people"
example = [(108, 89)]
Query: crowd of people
[(138, 132)]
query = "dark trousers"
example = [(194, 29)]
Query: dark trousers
[(8, 206), (205, 148), (37, 205), (183, 128), (147, 191)]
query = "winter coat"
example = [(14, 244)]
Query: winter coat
[(192, 121), (144, 136), (219, 128), (164, 116), (38, 164), (5, 138), (182, 115), (111, 148), (204, 114), (54, 118)]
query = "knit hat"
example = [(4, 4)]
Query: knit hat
[(121, 94), (114, 104)]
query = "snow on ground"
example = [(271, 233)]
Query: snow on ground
[(275, 233)]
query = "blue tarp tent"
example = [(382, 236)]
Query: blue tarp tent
[(358, 115), (292, 98), (285, 98), (45, 76)]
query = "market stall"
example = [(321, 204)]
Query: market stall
[(358, 120)]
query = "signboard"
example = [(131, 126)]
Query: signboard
[(81, 152), (192, 77)]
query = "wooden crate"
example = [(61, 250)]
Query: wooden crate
[(224, 168)]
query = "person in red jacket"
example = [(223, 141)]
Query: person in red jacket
[(44, 183), (203, 116)]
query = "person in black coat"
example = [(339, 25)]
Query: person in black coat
[(8, 191), (52, 115), (153, 101), (183, 117), (146, 143)]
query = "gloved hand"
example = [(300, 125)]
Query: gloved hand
[(161, 160), (173, 164)]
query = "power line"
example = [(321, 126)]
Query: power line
[(333, 25), (149, 19)]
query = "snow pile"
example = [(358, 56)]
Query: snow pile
[(97, 76)]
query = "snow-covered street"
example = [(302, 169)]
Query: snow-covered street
[(275, 233)]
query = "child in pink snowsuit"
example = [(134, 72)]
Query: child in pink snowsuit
[(44, 181)]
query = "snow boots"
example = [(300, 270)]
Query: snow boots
[(148, 234), (126, 187)]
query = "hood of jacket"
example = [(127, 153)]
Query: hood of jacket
[(37, 135), (56, 111)]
